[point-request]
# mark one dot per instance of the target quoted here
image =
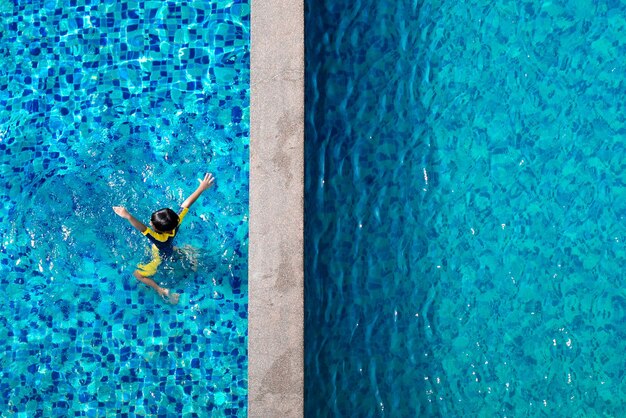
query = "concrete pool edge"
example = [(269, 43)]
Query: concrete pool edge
[(275, 328)]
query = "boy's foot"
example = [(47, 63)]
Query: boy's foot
[(174, 298), (171, 298)]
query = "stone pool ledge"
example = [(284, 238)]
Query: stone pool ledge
[(276, 375)]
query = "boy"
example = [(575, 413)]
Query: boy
[(165, 224)]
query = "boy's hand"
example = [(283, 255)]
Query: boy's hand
[(204, 184), (207, 182), (121, 211)]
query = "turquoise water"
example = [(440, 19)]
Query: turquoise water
[(107, 103), (464, 222)]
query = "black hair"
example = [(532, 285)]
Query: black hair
[(165, 220)]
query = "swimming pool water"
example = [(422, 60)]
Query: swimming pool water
[(464, 214), (107, 103)]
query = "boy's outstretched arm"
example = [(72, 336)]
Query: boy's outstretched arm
[(204, 184), (122, 212)]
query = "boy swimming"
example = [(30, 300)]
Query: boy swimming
[(165, 224)]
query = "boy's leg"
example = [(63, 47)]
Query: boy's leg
[(189, 255), (146, 270), (148, 281), (163, 292)]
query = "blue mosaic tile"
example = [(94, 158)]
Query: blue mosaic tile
[(106, 103)]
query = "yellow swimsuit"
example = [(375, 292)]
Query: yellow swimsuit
[(162, 246)]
